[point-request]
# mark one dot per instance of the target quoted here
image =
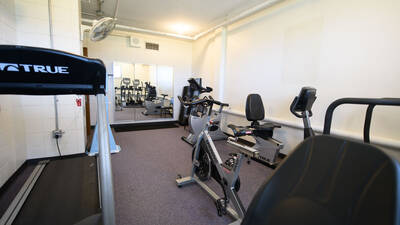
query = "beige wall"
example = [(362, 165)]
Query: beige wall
[(342, 48), (173, 52)]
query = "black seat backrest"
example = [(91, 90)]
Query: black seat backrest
[(328, 180), (254, 108), (152, 92)]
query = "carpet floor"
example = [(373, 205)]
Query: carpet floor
[(144, 180)]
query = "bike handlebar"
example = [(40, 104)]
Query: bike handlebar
[(201, 101)]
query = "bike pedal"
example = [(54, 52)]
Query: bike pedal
[(221, 207)]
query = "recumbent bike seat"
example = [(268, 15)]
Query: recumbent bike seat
[(254, 113)]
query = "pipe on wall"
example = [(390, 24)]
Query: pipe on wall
[(240, 16), (227, 22), (136, 29)]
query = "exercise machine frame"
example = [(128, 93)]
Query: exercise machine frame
[(229, 177), (197, 124)]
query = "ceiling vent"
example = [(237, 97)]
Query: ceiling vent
[(152, 46), (135, 42)]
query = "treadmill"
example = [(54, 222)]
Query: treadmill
[(39, 71)]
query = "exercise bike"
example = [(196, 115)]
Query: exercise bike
[(198, 115), (207, 164), (266, 148), (152, 103), (262, 133)]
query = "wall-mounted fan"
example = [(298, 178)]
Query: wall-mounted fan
[(104, 26)]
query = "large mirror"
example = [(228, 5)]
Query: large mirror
[(142, 92)]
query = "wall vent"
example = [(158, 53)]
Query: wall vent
[(135, 42), (152, 46)]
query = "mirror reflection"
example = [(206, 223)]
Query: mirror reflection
[(142, 91)]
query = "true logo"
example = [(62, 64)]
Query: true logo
[(29, 68), (9, 67)]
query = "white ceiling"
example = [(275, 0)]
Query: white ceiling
[(165, 15)]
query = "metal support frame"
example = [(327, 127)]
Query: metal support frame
[(260, 150), (235, 207), (105, 170), (194, 179), (308, 131), (15, 206)]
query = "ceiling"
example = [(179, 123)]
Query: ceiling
[(185, 17)]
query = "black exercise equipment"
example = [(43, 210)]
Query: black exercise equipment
[(371, 102), (266, 148), (197, 114), (330, 180), (191, 93), (152, 103), (39, 71), (301, 108)]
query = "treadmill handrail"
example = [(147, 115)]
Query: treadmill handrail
[(371, 102)]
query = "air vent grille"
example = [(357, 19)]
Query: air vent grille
[(152, 46)]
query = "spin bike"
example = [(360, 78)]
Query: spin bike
[(208, 164)]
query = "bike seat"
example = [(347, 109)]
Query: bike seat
[(266, 126), (240, 130)]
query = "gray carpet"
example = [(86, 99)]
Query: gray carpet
[(144, 177)]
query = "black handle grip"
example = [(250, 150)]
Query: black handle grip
[(370, 102), (293, 106)]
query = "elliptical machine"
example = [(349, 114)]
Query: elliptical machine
[(198, 115), (124, 88), (207, 164), (138, 89)]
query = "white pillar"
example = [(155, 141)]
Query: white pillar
[(222, 66)]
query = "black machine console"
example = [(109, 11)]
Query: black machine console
[(40, 71), (303, 102)]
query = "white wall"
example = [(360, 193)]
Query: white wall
[(32, 25), (173, 52), (165, 80), (27, 121), (12, 139), (345, 48)]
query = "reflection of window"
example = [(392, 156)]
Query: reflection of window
[(117, 70)]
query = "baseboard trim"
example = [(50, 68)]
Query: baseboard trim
[(36, 160), (144, 126)]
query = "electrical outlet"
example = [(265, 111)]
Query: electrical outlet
[(58, 133)]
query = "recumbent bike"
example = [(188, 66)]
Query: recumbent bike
[(266, 149), (152, 103)]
